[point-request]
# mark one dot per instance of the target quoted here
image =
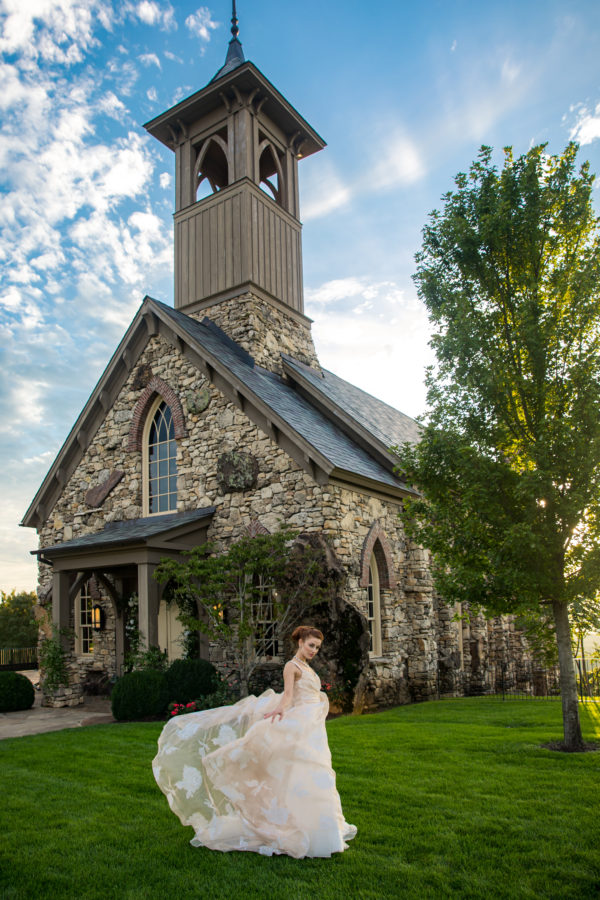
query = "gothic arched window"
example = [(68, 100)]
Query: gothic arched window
[(270, 172), (374, 608), (212, 167), (160, 460)]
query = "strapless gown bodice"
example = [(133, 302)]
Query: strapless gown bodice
[(244, 782)]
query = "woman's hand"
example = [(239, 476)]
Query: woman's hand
[(273, 715)]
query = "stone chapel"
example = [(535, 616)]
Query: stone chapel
[(214, 420)]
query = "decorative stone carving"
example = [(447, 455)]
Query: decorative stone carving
[(237, 471), (96, 496), (197, 401), (255, 528), (142, 376)]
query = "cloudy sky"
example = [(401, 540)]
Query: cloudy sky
[(404, 94)]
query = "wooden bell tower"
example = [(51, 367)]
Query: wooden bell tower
[(237, 143)]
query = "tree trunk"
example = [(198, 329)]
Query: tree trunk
[(568, 682)]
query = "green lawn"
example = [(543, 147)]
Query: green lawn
[(451, 799)]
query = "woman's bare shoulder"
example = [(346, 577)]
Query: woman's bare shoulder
[(292, 666)]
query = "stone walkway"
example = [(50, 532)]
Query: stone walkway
[(38, 719)]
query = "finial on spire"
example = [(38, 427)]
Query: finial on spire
[(235, 54)]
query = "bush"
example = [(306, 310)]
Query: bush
[(140, 695), (16, 692), (189, 679)]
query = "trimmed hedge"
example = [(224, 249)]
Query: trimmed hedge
[(140, 695), (16, 692), (189, 679)]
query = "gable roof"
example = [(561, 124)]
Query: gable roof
[(328, 432), (381, 424)]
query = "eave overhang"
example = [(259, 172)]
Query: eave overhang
[(150, 320), (246, 79)]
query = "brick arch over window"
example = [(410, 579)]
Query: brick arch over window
[(142, 407), (376, 542)]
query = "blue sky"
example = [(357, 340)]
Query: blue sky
[(404, 94)]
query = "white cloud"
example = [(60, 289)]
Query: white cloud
[(111, 106), (201, 23), (587, 126), (58, 31), (375, 336), (454, 46), (165, 180), (150, 59), (510, 72), (27, 397), (152, 95), (152, 13), (401, 163)]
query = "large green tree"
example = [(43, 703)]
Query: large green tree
[(18, 627), (509, 461)]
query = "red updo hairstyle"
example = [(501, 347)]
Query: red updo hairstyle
[(303, 632)]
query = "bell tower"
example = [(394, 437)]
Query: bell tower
[(237, 143)]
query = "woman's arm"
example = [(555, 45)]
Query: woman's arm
[(290, 673)]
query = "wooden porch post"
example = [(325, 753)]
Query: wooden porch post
[(149, 599), (61, 605)]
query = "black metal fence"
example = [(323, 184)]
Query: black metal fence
[(519, 680), (18, 658)]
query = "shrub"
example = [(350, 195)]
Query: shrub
[(223, 695), (189, 679), (16, 692), (140, 695)]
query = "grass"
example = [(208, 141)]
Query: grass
[(452, 799)]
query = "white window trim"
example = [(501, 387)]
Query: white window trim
[(85, 588), (146, 461)]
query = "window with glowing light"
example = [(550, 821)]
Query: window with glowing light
[(160, 463)]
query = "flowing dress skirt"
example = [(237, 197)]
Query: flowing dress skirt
[(246, 783)]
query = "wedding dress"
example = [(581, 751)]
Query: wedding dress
[(244, 782)]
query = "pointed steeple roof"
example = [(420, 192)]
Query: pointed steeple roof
[(235, 54)]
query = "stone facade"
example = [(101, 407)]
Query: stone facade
[(265, 330), (420, 640), (238, 262)]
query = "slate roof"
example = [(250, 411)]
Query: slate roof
[(385, 423), (296, 410), (131, 531)]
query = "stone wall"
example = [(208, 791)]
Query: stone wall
[(264, 330), (417, 630)]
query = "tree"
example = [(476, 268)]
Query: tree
[(509, 461), (248, 595), (18, 628)]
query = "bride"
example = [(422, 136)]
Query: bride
[(257, 775)]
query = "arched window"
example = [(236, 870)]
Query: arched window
[(83, 620), (374, 608), (270, 172), (160, 460), (212, 167)]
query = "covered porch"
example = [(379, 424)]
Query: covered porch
[(118, 562)]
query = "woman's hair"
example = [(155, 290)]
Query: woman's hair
[(302, 632)]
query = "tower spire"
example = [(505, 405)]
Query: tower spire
[(235, 54)]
